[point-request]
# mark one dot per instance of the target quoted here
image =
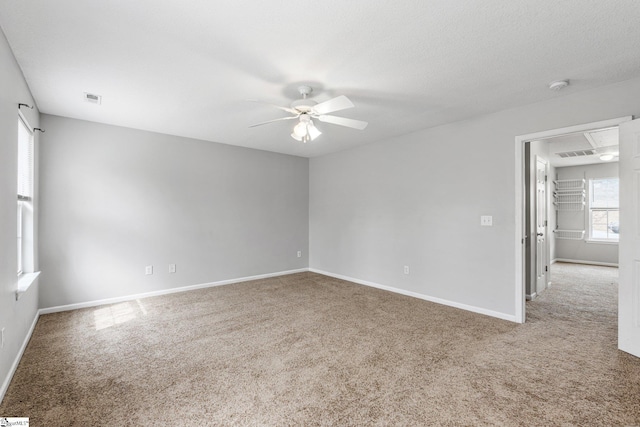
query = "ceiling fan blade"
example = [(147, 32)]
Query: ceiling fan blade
[(274, 120), (343, 121), (335, 104), (287, 109)]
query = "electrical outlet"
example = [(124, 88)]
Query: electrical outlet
[(406, 269), (299, 254), (172, 268), (486, 220), (148, 270)]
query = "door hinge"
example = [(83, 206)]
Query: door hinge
[(545, 222), (545, 178), (546, 268)]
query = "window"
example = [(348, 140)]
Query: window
[(604, 218), (25, 197)]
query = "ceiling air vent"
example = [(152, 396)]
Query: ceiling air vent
[(577, 153), (93, 98)]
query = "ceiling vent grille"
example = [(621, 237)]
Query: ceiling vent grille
[(577, 153), (93, 98)]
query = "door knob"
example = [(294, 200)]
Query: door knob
[(540, 234)]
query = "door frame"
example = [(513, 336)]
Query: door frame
[(520, 212), (547, 240)]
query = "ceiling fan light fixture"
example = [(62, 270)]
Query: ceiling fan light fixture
[(300, 129), (313, 131), (305, 131), (304, 109), (306, 138)]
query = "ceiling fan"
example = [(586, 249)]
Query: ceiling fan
[(305, 110)]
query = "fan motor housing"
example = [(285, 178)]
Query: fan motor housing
[(303, 105)]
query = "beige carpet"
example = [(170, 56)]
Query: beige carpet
[(306, 349)]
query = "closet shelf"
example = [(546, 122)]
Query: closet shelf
[(569, 234), (570, 194), (569, 184), (576, 190), (570, 207)]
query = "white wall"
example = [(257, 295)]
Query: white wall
[(581, 250), (15, 316), (114, 200), (417, 200)]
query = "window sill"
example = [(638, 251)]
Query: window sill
[(25, 280), (603, 242)]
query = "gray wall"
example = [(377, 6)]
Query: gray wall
[(417, 200), (15, 316), (581, 250), (114, 200)]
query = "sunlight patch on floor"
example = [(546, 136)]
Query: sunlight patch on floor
[(106, 317)]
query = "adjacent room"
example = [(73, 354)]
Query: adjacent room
[(319, 213), (572, 205)]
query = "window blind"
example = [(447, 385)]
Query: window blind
[(25, 161)]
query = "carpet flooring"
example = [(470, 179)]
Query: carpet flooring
[(307, 349)]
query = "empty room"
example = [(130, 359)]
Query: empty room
[(319, 213)]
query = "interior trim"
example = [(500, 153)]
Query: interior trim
[(520, 235), (579, 261), (14, 366)]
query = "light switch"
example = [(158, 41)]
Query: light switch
[(486, 220)]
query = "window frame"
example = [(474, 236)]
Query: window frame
[(590, 209), (25, 202)]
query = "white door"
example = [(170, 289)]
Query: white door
[(541, 225), (629, 247)]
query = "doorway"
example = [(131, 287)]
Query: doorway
[(580, 173), (527, 252)]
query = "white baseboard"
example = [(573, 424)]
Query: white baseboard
[(164, 292), (466, 307), (14, 366), (578, 261), (531, 297)]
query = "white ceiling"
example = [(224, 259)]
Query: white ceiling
[(603, 141), (187, 67)]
